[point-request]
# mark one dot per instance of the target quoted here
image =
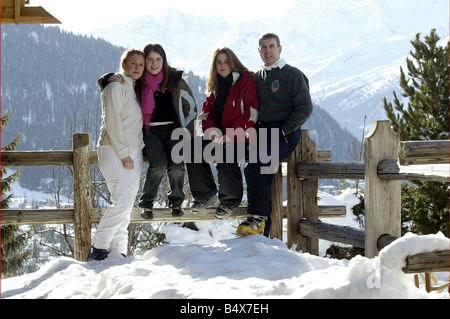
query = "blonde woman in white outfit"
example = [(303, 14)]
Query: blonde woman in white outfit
[(120, 156)]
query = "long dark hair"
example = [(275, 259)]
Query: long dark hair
[(169, 80)]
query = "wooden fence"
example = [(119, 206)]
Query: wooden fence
[(387, 162), (83, 215)]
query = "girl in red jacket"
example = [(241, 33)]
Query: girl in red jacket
[(230, 110)]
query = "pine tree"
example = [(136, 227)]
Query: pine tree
[(425, 205), (13, 239), (7, 181)]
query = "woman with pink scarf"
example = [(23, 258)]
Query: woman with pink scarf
[(167, 103)]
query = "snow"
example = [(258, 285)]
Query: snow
[(212, 264), (252, 267), (24, 198)]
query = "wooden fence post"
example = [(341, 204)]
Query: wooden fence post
[(310, 190), (302, 196), (382, 199), (294, 203), (81, 195), (276, 229)]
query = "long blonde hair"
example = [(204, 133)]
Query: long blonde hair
[(235, 65), (126, 55)]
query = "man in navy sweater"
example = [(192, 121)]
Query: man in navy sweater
[(285, 105)]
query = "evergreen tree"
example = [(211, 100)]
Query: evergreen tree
[(12, 238), (7, 181), (425, 205)]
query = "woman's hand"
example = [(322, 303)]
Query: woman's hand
[(220, 140), (226, 139), (128, 163)]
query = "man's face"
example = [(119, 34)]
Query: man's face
[(269, 51)]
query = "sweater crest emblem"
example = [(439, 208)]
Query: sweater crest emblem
[(275, 86)]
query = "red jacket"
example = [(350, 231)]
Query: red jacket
[(240, 110)]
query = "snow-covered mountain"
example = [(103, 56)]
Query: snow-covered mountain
[(350, 50)]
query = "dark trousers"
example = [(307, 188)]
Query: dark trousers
[(201, 180), (157, 150), (229, 175), (259, 192)]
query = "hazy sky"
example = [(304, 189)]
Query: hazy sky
[(82, 16)]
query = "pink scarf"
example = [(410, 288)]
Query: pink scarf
[(148, 99)]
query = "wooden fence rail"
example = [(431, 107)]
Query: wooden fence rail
[(424, 152), (386, 170), (65, 158), (162, 215)]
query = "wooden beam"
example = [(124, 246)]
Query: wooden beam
[(17, 11), (310, 189), (323, 155), (65, 158), (390, 170), (385, 240), (37, 216), (428, 262), (27, 15), (329, 211), (295, 201), (81, 196), (387, 170), (37, 158), (336, 233), (424, 152), (276, 229), (162, 215), (333, 170), (382, 199), (12, 3)]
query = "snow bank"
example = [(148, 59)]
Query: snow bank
[(233, 268), (212, 263)]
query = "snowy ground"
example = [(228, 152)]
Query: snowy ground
[(253, 267), (210, 263)]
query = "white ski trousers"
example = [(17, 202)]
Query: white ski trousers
[(112, 231)]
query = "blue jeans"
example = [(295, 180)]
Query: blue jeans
[(259, 185)]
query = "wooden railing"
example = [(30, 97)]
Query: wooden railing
[(82, 215), (382, 172), (387, 162)]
